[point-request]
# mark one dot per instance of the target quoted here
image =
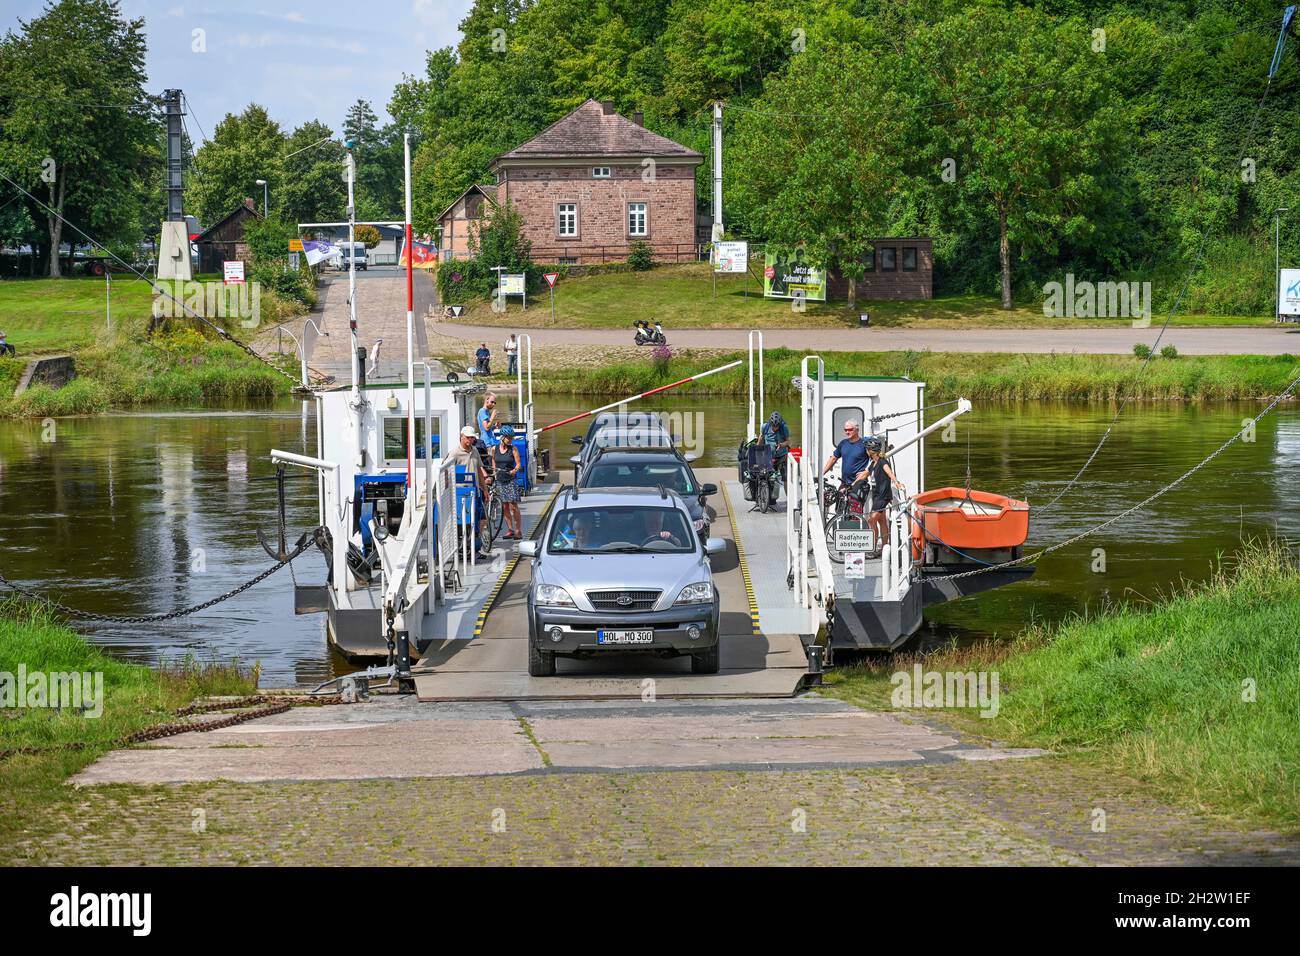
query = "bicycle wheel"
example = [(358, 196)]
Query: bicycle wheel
[(763, 495), (496, 514), (841, 520)]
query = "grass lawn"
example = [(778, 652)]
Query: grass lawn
[(135, 697), (1196, 693), (683, 296), (43, 316)]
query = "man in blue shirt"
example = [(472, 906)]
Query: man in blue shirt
[(487, 419), (852, 452)]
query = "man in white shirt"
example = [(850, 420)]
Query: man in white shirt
[(512, 354)]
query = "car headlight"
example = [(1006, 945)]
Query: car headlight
[(699, 593), (552, 595)]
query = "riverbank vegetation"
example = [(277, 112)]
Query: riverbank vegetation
[(135, 697), (1193, 692), (987, 376)]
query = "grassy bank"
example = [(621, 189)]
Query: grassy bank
[(42, 316), (1195, 694), (988, 376), (124, 371), (686, 297), (135, 697)]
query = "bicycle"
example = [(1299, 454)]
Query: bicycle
[(842, 510), (496, 509)]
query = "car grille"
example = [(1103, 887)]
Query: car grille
[(634, 600)]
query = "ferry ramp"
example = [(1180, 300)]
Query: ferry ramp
[(757, 659)]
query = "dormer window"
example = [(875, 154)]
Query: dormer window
[(600, 172)]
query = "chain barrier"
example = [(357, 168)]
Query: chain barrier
[(273, 704)]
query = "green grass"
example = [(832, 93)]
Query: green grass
[(988, 376), (135, 697), (683, 296), (42, 316), (180, 368), (1158, 692)]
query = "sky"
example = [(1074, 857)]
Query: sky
[(301, 60)]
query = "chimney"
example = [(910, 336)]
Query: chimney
[(607, 107), (248, 201), (639, 118)]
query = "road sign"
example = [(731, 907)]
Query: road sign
[(295, 245), (550, 278), (852, 539), (855, 565), (233, 273), (456, 311)]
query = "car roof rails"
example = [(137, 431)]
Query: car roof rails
[(663, 493)]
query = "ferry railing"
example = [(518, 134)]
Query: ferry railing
[(335, 513), (525, 345), (896, 559), (444, 498), (755, 423)]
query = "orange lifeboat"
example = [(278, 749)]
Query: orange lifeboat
[(967, 521)]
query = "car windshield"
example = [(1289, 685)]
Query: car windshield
[(620, 528), (671, 474)]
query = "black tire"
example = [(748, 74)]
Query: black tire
[(763, 496), (706, 662), (496, 514), (453, 377), (540, 663)]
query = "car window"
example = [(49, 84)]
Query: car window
[(672, 475), (619, 528)]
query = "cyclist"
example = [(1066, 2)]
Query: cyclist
[(776, 435), (506, 464), (852, 454), (882, 483)]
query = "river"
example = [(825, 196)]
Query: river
[(147, 512)]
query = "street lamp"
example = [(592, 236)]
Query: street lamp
[(265, 202), (1277, 261)]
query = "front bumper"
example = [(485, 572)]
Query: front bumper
[(578, 629)]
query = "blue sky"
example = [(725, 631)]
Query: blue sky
[(301, 60)]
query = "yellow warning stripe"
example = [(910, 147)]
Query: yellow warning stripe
[(510, 566), (744, 565)]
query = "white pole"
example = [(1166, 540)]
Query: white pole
[(410, 332), (352, 276), (717, 170)]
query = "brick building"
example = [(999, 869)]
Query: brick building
[(594, 182), (459, 218), (896, 268)]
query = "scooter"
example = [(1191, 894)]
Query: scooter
[(645, 335)]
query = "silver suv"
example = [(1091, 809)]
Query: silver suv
[(621, 570)]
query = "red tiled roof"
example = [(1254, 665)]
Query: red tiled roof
[(592, 131)]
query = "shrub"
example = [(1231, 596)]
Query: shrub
[(1169, 352), (367, 234), (640, 256), (1142, 351), (662, 355)]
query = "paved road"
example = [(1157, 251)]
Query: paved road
[(381, 314), (1188, 341)]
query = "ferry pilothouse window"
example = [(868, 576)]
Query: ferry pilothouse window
[(395, 439), (844, 414)]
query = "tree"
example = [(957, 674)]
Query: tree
[(243, 149), (1028, 125), (826, 180), (76, 125), (313, 190), (379, 156)]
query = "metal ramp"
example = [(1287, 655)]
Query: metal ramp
[(493, 664)]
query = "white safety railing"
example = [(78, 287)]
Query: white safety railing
[(896, 557), (524, 345), (808, 562), (755, 358)]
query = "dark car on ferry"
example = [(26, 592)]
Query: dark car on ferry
[(620, 430), (651, 468)]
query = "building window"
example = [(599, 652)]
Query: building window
[(869, 259), (567, 216), (568, 260), (636, 219), (909, 259), (889, 259), (600, 172)]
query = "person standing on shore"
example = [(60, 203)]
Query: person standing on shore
[(512, 354)]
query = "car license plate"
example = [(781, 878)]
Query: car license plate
[(625, 637)]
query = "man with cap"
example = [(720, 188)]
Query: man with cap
[(466, 454)]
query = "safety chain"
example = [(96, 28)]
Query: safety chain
[(275, 704), (1286, 392), (303, 544)]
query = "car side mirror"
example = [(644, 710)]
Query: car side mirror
[(715, 546), (706, 490), (690, 456), (528, 549), (575, 459), (576, 440)]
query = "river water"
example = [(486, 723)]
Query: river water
[(144, 513)]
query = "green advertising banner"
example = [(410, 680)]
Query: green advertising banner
[(787, 275)]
